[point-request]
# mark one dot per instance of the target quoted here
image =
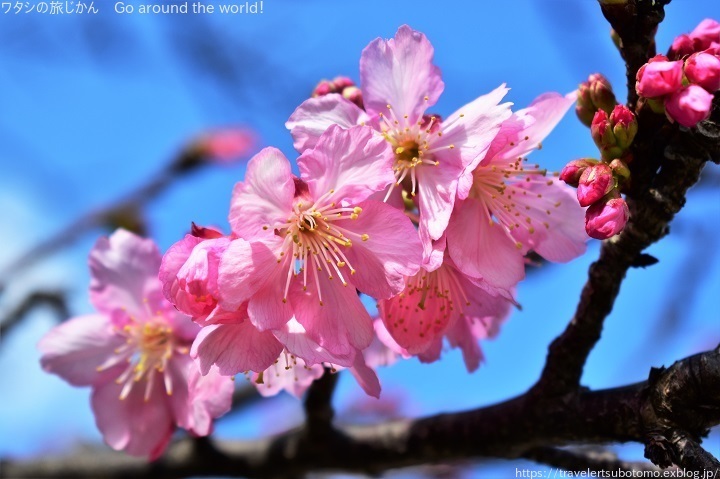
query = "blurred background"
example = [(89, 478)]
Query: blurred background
[(93, 106)]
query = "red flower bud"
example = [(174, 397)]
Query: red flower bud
[(605, 219)]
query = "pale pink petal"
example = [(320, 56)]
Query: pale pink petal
[(540, 117), (235, 348), (391, 251), (314, 116), (434, 257), (124, 270), (399, 72), (137, 426), (365, 376), (460, 336), (470, 131), (264, 198), (483, 249), (432, 353), (347, 165), (288, 373), (378, 353), (384, 336), (211, 397), (174, 259), (558, 236), (76, 348), (437, 187), (297, 342), (340, 324), (179, 370)]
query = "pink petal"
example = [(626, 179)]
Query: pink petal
[(137, 426), (353, 163), (76, 348), (564, 237), (437, 187), (392, 249), (400, 72), (365, 376), (264, 198), (294, 378), (460, 336), (211, 397), (297, 342), (341, 323), (432, 353), (483, 249), (174, 259), (124, 270), (314, 116), (235, 348), (471, 130)]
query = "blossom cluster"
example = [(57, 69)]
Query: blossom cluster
[(431, 217), (682, 84)]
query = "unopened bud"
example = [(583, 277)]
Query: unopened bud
[(596, 93), (682, 46), (659, 77), (620, 170), (572, 172), (353, 94), (342, 82), (595, 182), (324, 87), (704, 69), (205, 232), (605, 219), (689, 106), (602, 134), (624, 126), (705, 33)]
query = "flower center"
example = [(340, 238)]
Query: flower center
[(316, 238), (148, 348)]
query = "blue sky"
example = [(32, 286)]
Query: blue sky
[(94, 105)]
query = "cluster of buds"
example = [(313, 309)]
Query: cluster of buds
[(341, 85), (593, 95), (682, 85), (599, 182)]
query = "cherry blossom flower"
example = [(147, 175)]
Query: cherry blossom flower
[(659, 77), (134, 353), (689, 106), (512, 207), (399, 82), (441, 303), (305, 244)]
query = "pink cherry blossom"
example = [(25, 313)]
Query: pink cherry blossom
[(707, 32), (399, 83), (689, 106), (703, 69), (134, 353), (226, 145), (307, 243), (512, 207), (658, 78), (438, 303), (605, 219)]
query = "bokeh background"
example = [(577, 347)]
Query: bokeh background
[(91, 106)]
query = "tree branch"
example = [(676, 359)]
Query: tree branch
[(584, 459), (53, 299), (512, 429)]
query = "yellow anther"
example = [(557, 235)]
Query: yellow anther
[(365, 237)]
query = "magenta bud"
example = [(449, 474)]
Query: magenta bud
[(624, 126), (342, 82), (572, 172), (205, 232), (705, 33), (595, 182), (593, 94), (323, 88), (659, 77), (682, 46), (689, 106), (605, 219), (353, 94), (602, 133), (703, 69)]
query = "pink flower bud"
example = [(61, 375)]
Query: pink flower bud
[(342, 82), (605, 219), (704, 69), (595, 182), (689, 106), (657, 78), (604, 137), (682, 46), (226, 145), (596, 93), (325, 87), (354, 94), (205, 232), (572, 172), (706, 32), (624, 126)]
